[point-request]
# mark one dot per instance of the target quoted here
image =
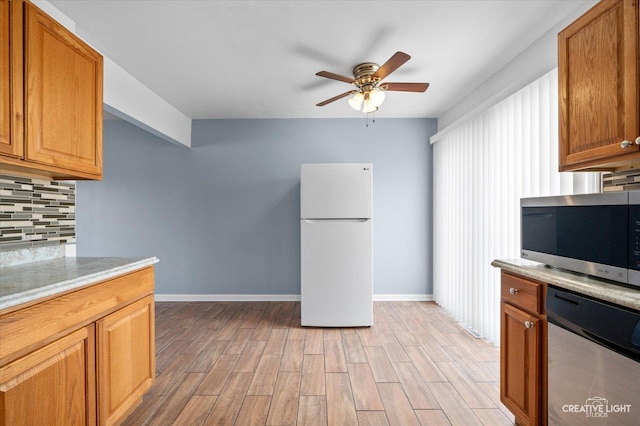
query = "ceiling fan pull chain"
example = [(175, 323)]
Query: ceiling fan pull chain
[(373, 120)]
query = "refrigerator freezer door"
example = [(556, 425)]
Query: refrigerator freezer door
[(335, 191), (336, 271)]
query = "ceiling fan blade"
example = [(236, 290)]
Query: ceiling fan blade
[(335, 98), (333, 76), (405, 87), (391, 65)]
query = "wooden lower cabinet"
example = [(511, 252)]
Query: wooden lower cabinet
[(83, 358), (519, 383), (126, 366), (51, 385), (523, 359)]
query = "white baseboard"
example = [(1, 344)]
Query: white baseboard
[(227, 297), (276, 297), (403, 297)]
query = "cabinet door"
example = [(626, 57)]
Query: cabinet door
[(598, 85), (10, 78), (63, 102), (126, 359), (5, 91), (520, 359), (50, 385)]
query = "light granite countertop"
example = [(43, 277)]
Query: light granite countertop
[(36, 280), (584, 284)]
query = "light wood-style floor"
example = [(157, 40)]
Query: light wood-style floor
[(250, 363)]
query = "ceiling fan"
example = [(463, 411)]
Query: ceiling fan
[(367, 77)]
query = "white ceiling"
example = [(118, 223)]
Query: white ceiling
[(258, 59)]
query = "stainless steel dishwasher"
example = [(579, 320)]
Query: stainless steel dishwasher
[(593, 361)]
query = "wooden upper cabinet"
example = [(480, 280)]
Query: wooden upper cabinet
[(5, 91), (598, 87), (10, 79), (63, 84), (51, 97)]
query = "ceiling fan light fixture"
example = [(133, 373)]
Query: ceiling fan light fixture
[(376, 97), (356, 101), (369, 106)]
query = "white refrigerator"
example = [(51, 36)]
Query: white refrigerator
[(336, 250)]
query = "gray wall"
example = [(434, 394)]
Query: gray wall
[(223, 217)]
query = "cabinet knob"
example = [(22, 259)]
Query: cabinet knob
[(626, 144), (529, 324), (514, 290)]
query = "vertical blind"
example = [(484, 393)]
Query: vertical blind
[(482, 168)]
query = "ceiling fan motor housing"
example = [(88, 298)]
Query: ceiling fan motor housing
[(363, 75)]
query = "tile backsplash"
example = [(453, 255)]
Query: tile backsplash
[(36, 212), (627, 180)]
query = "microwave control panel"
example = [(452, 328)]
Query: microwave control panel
[(634, 237)]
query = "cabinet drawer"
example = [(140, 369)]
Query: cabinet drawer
[(523, 293), (27, 329)]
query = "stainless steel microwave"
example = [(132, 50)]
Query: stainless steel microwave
[(594, 234)]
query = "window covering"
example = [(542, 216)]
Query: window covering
[(482, 168)]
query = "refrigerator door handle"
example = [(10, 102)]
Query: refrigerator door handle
[(360, 220)]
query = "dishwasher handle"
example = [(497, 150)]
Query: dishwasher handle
[(566, 297)]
